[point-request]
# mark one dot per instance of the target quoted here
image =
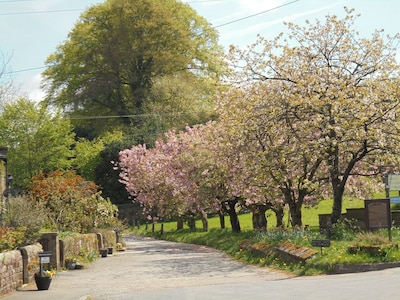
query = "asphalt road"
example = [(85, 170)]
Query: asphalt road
[(153, 269)]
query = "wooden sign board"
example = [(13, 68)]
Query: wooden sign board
[(321, 243), (377, 213)]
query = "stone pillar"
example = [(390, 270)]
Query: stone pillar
[(100, 240), (50, 242)]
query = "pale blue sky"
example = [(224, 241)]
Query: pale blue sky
[(30, 30)]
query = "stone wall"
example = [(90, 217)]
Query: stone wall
[(10, 271), (85, 244), (14, 267), (357, 215), (73, 246), (30, 260), (18, 267)]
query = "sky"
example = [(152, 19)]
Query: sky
[(30, 30)]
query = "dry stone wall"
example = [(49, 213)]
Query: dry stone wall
[(14, 269), (16, 266), (10, 271)]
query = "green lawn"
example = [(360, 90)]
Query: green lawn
[(310, 216)]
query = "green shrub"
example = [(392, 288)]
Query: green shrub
[(296, 236), (343, 230), (10, 238), (25, 216), (72, 203)]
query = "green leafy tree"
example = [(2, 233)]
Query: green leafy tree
[(106, 175), (120, 57), (88, 152), (38, 140)]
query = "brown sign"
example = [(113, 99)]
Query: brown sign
[(377, 213)]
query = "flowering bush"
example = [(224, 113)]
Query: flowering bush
[(10, 238), (34, 266), (46, 273), (72, 203)]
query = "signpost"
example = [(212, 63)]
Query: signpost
[(44, 258), (392, 182), (321, 243)]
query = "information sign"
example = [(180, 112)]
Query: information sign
[(393, 182)]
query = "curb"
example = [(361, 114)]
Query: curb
[(358, 268)]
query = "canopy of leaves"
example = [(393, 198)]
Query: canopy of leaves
[(168, 180), (88, 154), (304, 117), (121, 56), (321, 104), (37, 140)]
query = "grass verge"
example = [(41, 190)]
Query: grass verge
[(348, 247)]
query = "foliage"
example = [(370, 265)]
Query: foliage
[(72, 204), (344, 229), (88, 153), (284, 136), (312, 107), (10, 238), (120, 59), (37, 139), (26, 216), (107, 176), (169, 180), (370, 238), (46, 273)]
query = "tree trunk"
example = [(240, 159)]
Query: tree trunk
[(192, 223), (179, 224), (233, 215), (279, 213), (259, 219), (221, 219), (295, 214), (337, 205), (204, 220)]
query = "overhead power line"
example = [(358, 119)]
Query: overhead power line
[(132, 116), (224, 24), (40, 12), (257, 14), (8, 1), (25, 70)]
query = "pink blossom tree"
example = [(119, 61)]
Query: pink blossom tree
[(167, 179)]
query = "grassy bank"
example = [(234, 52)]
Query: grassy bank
[(348, 245)]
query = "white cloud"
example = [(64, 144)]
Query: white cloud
[(33, 86)]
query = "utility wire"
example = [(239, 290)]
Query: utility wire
[(132, 116), (25, 70), (14, 1), (224, 24), (40, 12), (257, 14)]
